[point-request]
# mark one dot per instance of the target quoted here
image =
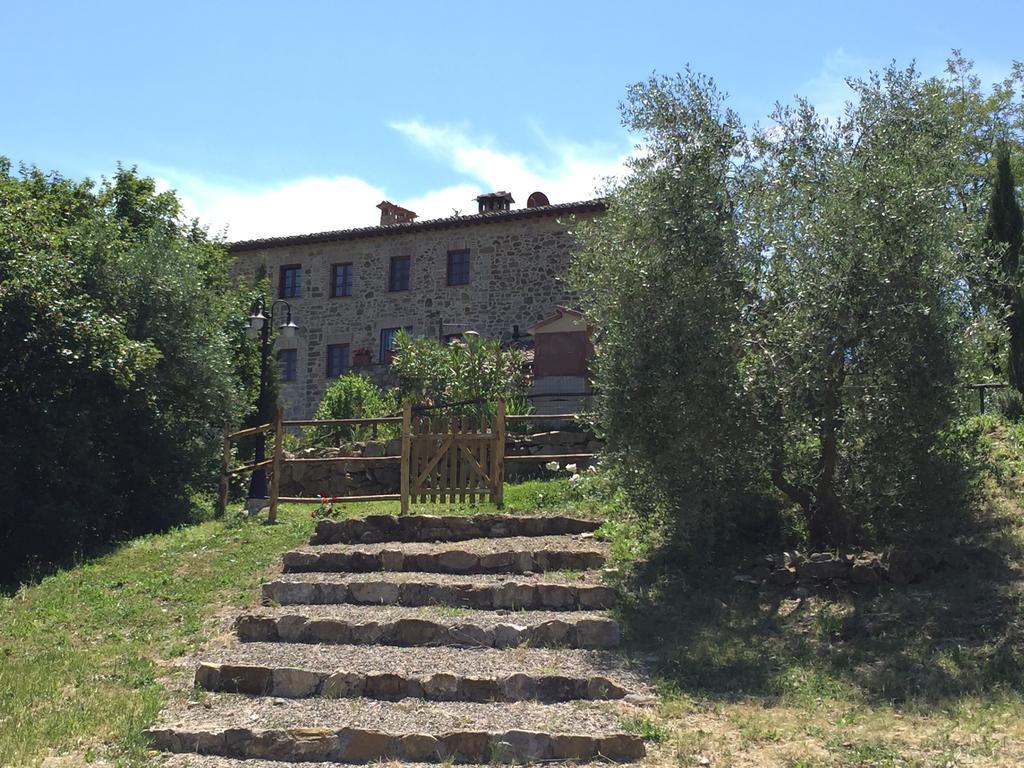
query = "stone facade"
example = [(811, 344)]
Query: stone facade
[(516, 261)]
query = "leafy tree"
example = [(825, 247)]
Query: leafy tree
[(853, 360), (117, 336), (475, 371), (660, 274)]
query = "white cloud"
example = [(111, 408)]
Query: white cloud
[(827, 90), (572, 171), (568, 172)]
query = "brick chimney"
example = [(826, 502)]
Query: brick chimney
[(391, 214), (495, 201)]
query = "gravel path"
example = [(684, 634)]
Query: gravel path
[(226, 710), (419, 660)]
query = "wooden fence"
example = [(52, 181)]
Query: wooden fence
[(447, 459)]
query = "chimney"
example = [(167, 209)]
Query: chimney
[(391, 214), (495, 201)]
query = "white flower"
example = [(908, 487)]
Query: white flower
[(570, 468), (553, 466)]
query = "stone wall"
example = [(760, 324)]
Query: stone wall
[(356, 479), (515, 271)]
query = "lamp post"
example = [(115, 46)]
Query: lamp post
[(259, 325)]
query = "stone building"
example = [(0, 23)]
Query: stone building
[(496, 272)]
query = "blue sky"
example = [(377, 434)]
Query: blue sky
[(278, 118)]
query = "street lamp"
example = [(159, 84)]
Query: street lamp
[(259, 325)]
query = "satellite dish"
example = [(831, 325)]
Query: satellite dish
[(536, 200)]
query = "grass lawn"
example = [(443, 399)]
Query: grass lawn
[(82, 652)]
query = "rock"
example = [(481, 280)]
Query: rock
[(479, 689), (599, 688), (387, 686), (256, 629), (467, 746), (361, 746), (292, 628), (441, 686), (419, 632), (343, 685), (553, 688), (553, 633), (328, 631), (458, 561), (287, 592), (251, 680), (374, 592), (294, 683), (392, 559), (420, 748), (573, 748), (208, 677), (509, 635), (472, 635), (517, 687), (556, 596), (596, 597), (818, 568), (527, 746), (621, 746), (597, 633), (373, 450)]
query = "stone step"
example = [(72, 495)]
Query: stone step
[(414, 589), (511, 555), (380, 528), (297, 683), (248, 668), (434, 626), (365, 730)]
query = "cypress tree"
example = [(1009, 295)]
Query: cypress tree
[(1006, 233)]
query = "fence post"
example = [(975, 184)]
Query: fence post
[(498, 456), (275, 478), (406, 450), (225, 480)]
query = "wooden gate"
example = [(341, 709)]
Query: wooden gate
[(451, 459)]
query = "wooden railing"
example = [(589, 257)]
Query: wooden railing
[(408, 490)]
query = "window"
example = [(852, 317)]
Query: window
[(387, 341), (337, 360), (399, 277), (458, 267), (341, 280), (290, 284), (287, 360)]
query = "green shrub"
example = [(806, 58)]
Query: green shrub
[(352, 396), (121, 343), (476, 370)]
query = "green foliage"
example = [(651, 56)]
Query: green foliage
[(476, 369), (1005, 232), (854, 342), (120, 349), (352, 396), (788, 313), (659, 274)]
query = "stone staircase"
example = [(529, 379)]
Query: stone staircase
[(476, 639)]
